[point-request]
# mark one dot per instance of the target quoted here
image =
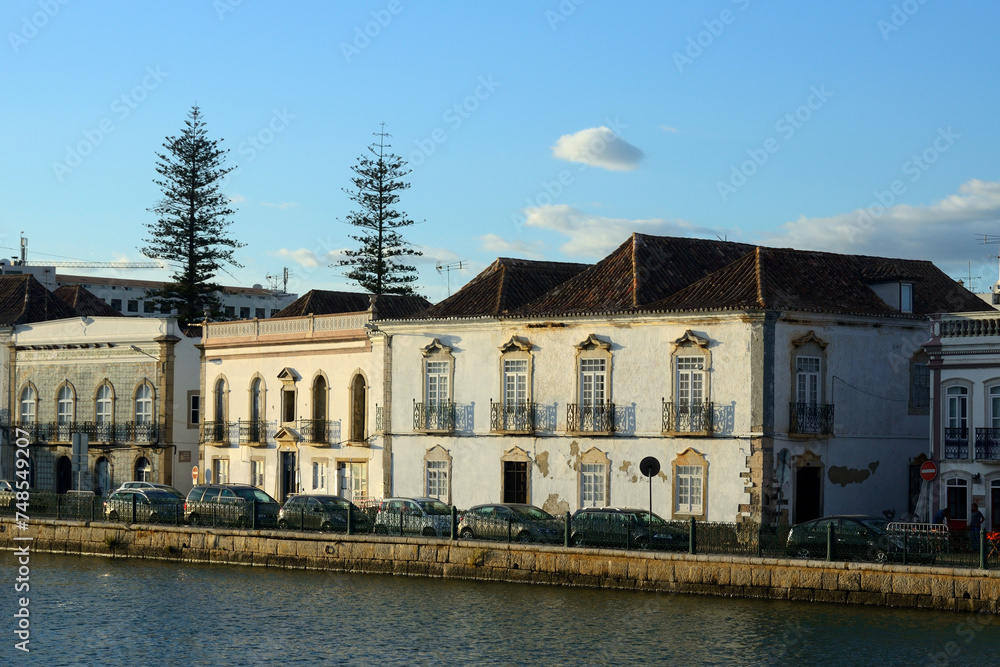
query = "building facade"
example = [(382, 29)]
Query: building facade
[(129, 384), (964, 361)]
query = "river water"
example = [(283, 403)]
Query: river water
[(103, 611)]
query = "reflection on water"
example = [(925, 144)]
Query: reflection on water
[(99, 611)]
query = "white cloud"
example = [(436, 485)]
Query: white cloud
[(309, 259), (283, 205), (237, 199), (667, 128), (598, 147), (500, 246), (596, 236), (943, 232)]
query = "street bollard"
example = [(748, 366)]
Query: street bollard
[(253, 514), (454, 523), (830, 542), (982, 549), (134, 501), (400, 521), (510, 526), (693, 538), (350, 520), (760, 547), (566, 531)]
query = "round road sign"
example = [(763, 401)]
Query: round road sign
[(649, 466), (194, 474), (928, 470)]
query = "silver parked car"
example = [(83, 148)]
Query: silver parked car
[(418, 516), (151, 506), (322, 512), (507, 521)]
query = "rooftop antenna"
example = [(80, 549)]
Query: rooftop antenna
[(990, 239), (273, 281), (24, 247), (448, 268)]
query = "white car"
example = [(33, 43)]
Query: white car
[(151, 485), (421, 516)]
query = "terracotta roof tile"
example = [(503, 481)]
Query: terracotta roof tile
[(324, 302), (85, 303), (23, 299)]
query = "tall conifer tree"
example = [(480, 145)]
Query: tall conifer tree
[(377, 182), (191, 232)]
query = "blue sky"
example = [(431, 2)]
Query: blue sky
[(534, 129)]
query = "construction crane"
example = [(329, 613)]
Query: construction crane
[(23, 261)]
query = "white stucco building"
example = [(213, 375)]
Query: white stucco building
[(963, 355), (292, 403), (770, 384)]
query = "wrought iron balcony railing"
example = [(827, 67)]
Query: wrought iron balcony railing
[(590, 417), (319, 431), (956, 442), (687, 417), (105, 433), (515, 417), (218, 433), (253, 432), (810, 418), (988, 444), (434, 416)]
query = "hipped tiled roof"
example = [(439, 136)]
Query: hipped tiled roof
[(23, 299), (652, 273), (503, 287), (324, 302), (85, 303)]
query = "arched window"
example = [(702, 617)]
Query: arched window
[(319, 398), (358, 394), (104, 414), (29, 401), (220, 400), (143, 471), (64, 407), (102, 477), (144, 404), (256, 432)]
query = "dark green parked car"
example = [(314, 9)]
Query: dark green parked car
[(322, 512), (856, 537)]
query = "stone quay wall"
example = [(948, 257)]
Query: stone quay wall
[(773, 578)]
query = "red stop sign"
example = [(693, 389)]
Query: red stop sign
[(928, 470)]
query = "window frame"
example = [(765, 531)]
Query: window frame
[(141, 417), (24, 401), (594, 479), (683, 467), (442, 462)]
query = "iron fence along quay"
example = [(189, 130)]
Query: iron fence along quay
[(902, 543)]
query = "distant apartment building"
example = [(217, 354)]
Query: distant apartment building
[(129, 297)]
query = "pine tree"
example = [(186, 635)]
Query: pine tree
[(193, 217), (377, 182)]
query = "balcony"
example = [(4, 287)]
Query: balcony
[(694, 418), (988, 444), (253, 432), (217, 433), (434, 417), (319, 432), (515, 417), (810, 419), (106, 433), (596, 419), (956, 442)]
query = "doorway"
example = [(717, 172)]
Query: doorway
[(64, 474), (808, 500), (995, 506), (515, 482), (288, 481)]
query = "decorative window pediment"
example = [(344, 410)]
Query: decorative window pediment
[(288, 375), (435, 347), (287, 435), (690, 337), (516, 344), (516, 454), (592, 342), (810, 337)]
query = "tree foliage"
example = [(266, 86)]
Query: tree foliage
[(193, 217), (375, 266)]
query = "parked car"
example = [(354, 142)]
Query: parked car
[(230, 505), (151, 506), (322, 512), (625, 527), (420, 516), (857, 537), (151, 485), (522, 523)]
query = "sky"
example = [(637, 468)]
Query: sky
[(545, 130)]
